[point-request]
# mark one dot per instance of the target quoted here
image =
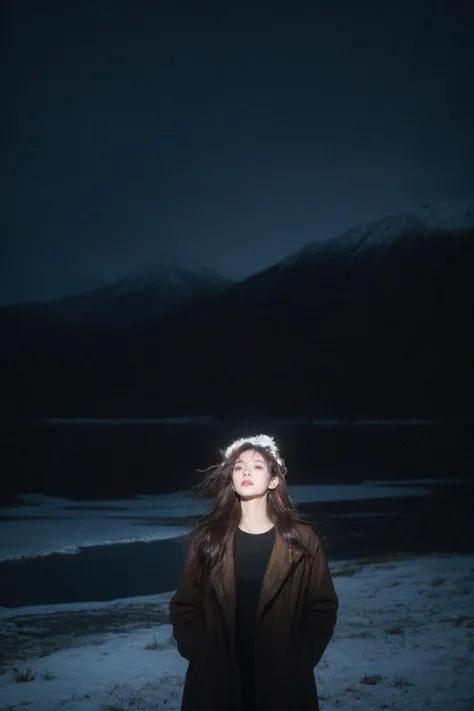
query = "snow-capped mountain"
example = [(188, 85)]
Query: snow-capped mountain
[(374, 323), (376, 320), (369, 252), (140, 297), (428, 222)]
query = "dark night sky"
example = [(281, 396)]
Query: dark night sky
[(230, 135)]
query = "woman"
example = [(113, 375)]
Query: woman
[(255, 607)]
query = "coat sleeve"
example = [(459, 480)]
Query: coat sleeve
[(186, 612), (321, 605)]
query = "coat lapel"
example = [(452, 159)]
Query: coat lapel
[(223, 581), (279, 565)]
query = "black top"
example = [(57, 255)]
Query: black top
[(251, 554)]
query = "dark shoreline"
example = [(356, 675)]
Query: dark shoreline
[(440, 522), (95, 573), (106, 573)]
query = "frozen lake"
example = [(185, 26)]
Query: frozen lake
[(55, 550)]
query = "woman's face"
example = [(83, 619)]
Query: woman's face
[(251, 476)]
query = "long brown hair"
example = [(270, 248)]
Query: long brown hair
[(215, 529)]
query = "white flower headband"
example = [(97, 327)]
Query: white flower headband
[(260, 440)]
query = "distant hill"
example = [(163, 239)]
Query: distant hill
[(373, 323), (143, 296)]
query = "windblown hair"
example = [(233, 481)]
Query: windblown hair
[(214, 530)]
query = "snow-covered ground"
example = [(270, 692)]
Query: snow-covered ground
[(404, 640)]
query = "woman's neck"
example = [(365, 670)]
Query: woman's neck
[(254, 518)]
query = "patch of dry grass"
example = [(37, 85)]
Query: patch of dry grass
[(160, 646), (396, 629), (28, 637), (400, 682), (22, 676), (347, 572), (371, 679)]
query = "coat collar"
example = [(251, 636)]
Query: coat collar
[(279, 565)]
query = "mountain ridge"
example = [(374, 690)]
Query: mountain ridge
[(429, 221), (142, 296), (375, 333)]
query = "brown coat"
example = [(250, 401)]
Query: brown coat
[(295, 621)]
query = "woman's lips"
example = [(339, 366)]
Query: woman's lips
[(246, 482)]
